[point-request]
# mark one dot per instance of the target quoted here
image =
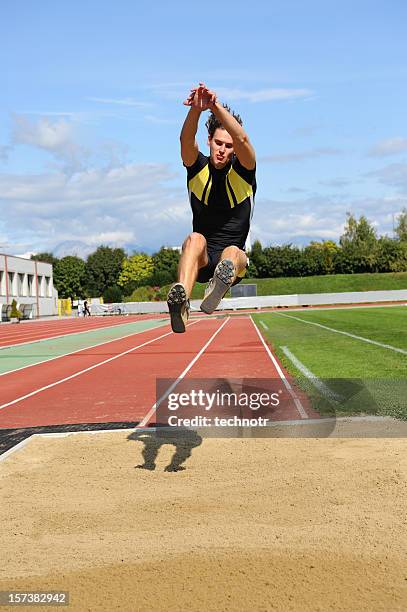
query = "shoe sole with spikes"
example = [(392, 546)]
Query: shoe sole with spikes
[(178, 307), (218, 285)]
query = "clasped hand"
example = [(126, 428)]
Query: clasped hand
[(201, 98)]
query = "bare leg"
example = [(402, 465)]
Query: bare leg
[(232, 262), (193, 257), (237, 257)]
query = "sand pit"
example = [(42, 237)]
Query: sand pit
[(250, 524)]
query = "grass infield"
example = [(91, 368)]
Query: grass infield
[(333, 283), (370, 379)]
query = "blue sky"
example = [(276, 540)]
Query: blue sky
[(92, 108)]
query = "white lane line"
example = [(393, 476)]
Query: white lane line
[(31, 365), (63, 434), (273, 424), (180, 377), (264, 325), (337, 331), (297, 402), (72, 333), (325, 390), (39, 337), (96, 365)]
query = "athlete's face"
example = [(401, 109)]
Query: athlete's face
[(221, 148)]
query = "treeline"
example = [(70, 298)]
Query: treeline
[(111, 273), (360, 250)]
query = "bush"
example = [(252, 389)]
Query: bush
[(148, 294), (15, 313), (165, 263), (112, 295)]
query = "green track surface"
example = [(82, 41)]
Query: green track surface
[(346, 363), (20, 356)]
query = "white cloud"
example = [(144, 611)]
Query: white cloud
[(26, 255), (391, 146), (299, 221), (54, 136), (296, 190), (306, 131), (180, 90), (134, 206), (337, 183), (161, 120), (43, 133), (4, 152), (70, 114), (122, 237), (283, 158), (394, 175), (262, 95), (122, 102)]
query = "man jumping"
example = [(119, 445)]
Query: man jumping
[(221, 190)]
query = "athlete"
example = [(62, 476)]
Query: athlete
[(221, 190)]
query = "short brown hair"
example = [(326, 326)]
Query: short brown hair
[(213, 122)]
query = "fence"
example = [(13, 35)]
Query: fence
[(266, 301)]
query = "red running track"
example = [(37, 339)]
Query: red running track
[(121, 384)]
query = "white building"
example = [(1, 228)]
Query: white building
[(29, 283)]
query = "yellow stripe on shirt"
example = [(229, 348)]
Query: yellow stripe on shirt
[(208, 191), (241, 188), (197, 184), (232, 204)]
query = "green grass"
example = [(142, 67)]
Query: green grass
[(335, 283), (378, 374)]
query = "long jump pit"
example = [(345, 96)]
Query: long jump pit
[(298, 520)]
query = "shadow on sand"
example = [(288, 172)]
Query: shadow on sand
[(154, 437)]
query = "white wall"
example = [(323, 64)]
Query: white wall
[(267, 301), (34, 286)]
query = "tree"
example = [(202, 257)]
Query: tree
[(45, 257), (401, 229), (69, 277), (257, 262), (165, 263), (358, 232), (112, 295), (103, 268), (322, 256), (136, 271), (392, 255), (285, 260), (359, 246)]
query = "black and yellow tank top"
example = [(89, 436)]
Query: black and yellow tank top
[(222, 201)]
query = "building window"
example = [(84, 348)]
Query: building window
[(48, 291), (11, 287), (41, 286), (20, 280), (31, 286), (2, 283)]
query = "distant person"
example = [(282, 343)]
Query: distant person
[(221, 190), (86, 310)]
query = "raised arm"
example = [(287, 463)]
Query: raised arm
[(200, 99), (241, 143), (189, 145)]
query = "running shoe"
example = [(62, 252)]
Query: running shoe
[(178, 306), (218, 285)]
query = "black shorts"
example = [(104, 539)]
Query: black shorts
[(206, 273)]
